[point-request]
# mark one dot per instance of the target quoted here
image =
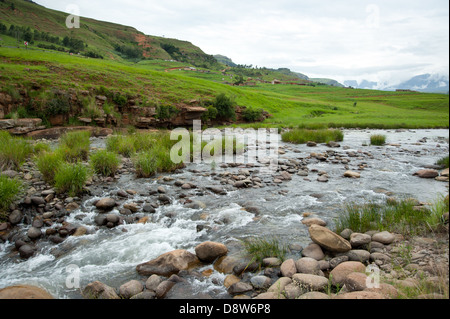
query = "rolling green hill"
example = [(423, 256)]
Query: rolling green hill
[(136, 72), (26, 20)]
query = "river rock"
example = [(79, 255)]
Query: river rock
[(105, 204), (168, 264), (163, 288), (260, 282), (380, 257), (352, 174), (314, 220), (314, 251), (270, 295), (383, 237), (293, 291), (226, 264), (34, 233), (307, 265), (152, 282), (24, 292), (314, 295), (340, 273), (239, 288), (310, 282), (15, 217), (358, 255), (130, 288), (359, 239), (230, 280), (100, 220), (279, 285), (271, 262), (328, 239), (288, 268), (356, 281), (112, 218), (26, 251), (426, 173), (360, 295), (99, 290), (210, 251), (37, 200)]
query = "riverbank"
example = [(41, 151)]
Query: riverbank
[(223, 204)]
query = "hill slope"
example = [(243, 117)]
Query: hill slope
[(26, 20), (123, 87)]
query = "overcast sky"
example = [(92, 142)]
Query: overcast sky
[(377, 40)]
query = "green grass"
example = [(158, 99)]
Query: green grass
[(377, 139), (443, 161), (399, 216), (302, 136), (290, 105), (145, 164), (104, 162), (74, 146), (259, 248), (71, 178), (48, 163), (14, 151), (10, 189)]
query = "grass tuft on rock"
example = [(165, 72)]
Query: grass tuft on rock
[(377, 140)]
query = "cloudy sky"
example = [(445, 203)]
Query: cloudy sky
[(377, 40)]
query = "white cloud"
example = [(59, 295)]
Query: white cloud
[(381, 39)]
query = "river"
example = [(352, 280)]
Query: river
[(111, 255)]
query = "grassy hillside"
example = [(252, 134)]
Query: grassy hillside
[(30, 76), (108, 40), (35, 72)]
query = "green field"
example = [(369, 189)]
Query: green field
[(290, 105)]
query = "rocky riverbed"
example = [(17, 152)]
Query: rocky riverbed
[(123, 222)]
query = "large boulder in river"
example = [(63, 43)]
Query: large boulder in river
[(24, 292), (168, 264), (329, 240), (210, 251), (427, 173)]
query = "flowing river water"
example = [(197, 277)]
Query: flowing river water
[(111, 255)]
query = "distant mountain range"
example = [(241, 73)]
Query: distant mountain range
[(431, 83)]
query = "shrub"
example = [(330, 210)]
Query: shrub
[(105, 163), (211, 113), (225, 107), (48, 164), (166, 112), (10, 189), (377, 139), (302, 136), (70, 178), (59, 104), (253, 115), (13, 151)]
